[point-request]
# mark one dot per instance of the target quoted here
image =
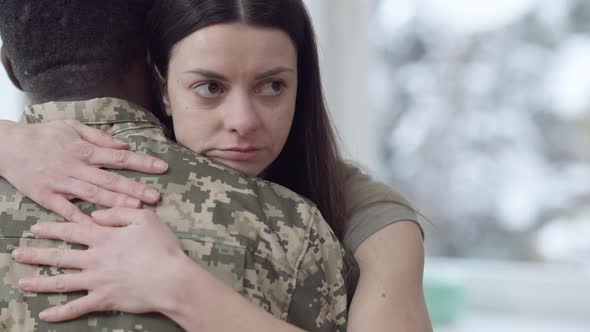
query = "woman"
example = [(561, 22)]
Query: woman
[(241, 82)]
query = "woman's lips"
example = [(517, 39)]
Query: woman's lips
[(236, 154)]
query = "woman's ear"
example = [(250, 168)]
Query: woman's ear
[(163, 86), (166, 101), (8, 67)]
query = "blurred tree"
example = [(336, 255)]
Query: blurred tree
[(486, 128)]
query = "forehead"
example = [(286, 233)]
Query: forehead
[(236, 43)]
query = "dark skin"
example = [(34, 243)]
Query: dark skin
[(133, 86)]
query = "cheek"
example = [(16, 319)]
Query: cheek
[(192, 127), (188, 132)]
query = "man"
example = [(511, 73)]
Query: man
[(80, 50)]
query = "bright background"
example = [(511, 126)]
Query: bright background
[(11, 98), (479, 113)]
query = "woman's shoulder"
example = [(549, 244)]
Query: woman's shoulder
[(371, 205), (361, 189)]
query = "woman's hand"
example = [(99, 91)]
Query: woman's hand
[(135, 264), (54, 162), (131, 264)]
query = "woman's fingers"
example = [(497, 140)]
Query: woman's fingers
[(62, 206), (117, 184), (119, 159), (95, 194), (69, 232), (55, 161), (56, 257), (63, 283), (128, 251), (74, 309), (119, 217), (95, 136)]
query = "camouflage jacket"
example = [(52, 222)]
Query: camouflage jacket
[(264, 241)]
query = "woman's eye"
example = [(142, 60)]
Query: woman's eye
[(273, 88), (209, 89)]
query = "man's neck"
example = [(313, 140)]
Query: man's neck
[(136, 97), (134, 87)]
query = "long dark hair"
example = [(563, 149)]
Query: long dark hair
[(309, 164)]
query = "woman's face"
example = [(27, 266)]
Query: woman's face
[(231, 91)]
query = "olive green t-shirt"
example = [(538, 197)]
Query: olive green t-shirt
[(371, 206)]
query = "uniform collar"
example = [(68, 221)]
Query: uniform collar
[(93, 111)]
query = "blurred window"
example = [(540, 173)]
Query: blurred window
[(484, 112)]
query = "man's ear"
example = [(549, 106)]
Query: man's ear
[(8, 67)]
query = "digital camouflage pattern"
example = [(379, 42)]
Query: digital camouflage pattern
[(264, 241)]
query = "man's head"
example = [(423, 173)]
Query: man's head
[(64, 50)]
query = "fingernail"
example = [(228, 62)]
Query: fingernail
[(120, 141), (160, 165), (17, 254), (151, 194), (44, 315), (24, 283), (98, 213), (132, 203), (36, 229)]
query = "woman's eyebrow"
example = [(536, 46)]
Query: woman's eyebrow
[(218, 76), (274, 71), (207, 73)]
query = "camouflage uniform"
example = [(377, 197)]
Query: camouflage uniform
[(264, 241)]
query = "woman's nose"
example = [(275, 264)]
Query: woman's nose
[(242, 117)]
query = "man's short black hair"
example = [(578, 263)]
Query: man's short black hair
[(61, 48)]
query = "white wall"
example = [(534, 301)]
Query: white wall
[(345, 55), (10, 98)]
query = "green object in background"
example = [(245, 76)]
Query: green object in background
[(445, 301)]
